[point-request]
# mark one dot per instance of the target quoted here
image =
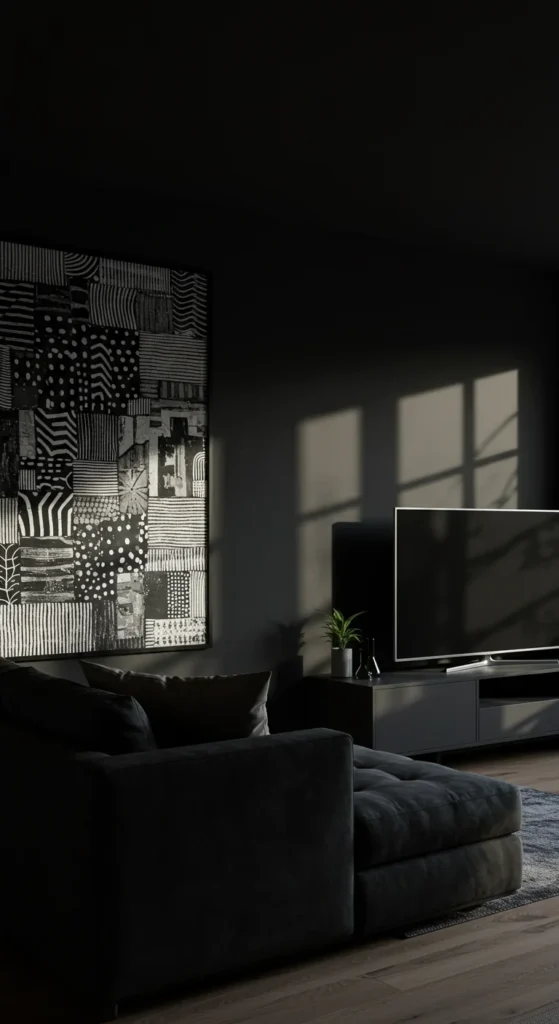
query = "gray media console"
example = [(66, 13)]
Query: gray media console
[(421, 712)]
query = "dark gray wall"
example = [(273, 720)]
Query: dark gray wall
[(315, 342)]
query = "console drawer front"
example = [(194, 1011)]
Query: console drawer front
[(519, 721), (412, 718)]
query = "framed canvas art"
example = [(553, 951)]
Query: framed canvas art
[(103, 454)]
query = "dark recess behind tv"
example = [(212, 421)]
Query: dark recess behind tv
[(363, 580)]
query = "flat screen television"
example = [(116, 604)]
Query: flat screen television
[(474, 582)]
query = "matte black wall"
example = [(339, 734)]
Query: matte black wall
[(315, 341)]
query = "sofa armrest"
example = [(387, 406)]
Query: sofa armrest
[(224, 855)]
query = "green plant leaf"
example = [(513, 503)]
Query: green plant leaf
[(339, 630)]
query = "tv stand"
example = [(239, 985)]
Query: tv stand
[(427, 711), (505, 664)]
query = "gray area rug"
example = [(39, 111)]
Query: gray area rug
[(540, 875), (549, 1015)]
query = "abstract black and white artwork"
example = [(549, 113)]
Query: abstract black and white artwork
[(103, 454)]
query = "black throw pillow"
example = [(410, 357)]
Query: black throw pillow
[(77, 715), (192, 709), (30, 672)]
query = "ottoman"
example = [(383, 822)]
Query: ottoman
[(429, 840)]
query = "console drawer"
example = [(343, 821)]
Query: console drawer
[(413, 718), (517, 720)]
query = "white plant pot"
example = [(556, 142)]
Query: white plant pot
[(342, 662)]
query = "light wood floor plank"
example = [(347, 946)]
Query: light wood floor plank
[(434, 986)]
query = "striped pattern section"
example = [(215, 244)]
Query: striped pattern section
[(178, 390), (166, 357), (139, 407), (149, 388), (176, 522), (198, 594), (111, 306), (199, 486), (47, 570), (126, 643), (47, 515), (104, 626), (77, 264), (190, 303), (9, 533), (17, 300), (35, 630), (97, 437), (27, 479), (101, 374), (176, 559), (134, 275), (56, 434), (95, 478), (199, 466), (5, 378), (30, 263), (175, 632)]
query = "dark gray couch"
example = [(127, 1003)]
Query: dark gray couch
[(131, 873)]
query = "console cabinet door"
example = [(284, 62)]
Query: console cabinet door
[(412, 718)]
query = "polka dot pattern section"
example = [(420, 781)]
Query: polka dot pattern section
[(25, 376), (63, 363), (94, 508), (178, 594), (105, 551), (114, 367)]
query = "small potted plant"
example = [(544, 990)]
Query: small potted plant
[(341, 632)]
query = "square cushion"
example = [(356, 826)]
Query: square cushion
[(7, 666), (406, 808), (192, 710), (78, 716)]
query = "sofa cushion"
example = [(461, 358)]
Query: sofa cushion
[(7, 666), (194, 709), (406, 808), (79, 717)]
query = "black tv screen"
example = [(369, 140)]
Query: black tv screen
[(475, 582)]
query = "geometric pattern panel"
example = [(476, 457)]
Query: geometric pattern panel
[(47, 570), (103, 454), (175, 632)]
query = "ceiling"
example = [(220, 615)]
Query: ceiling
[(429, 121)]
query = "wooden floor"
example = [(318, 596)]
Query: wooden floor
[(493, 969)]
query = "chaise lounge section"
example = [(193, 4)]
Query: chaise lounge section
[(429, 840)]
